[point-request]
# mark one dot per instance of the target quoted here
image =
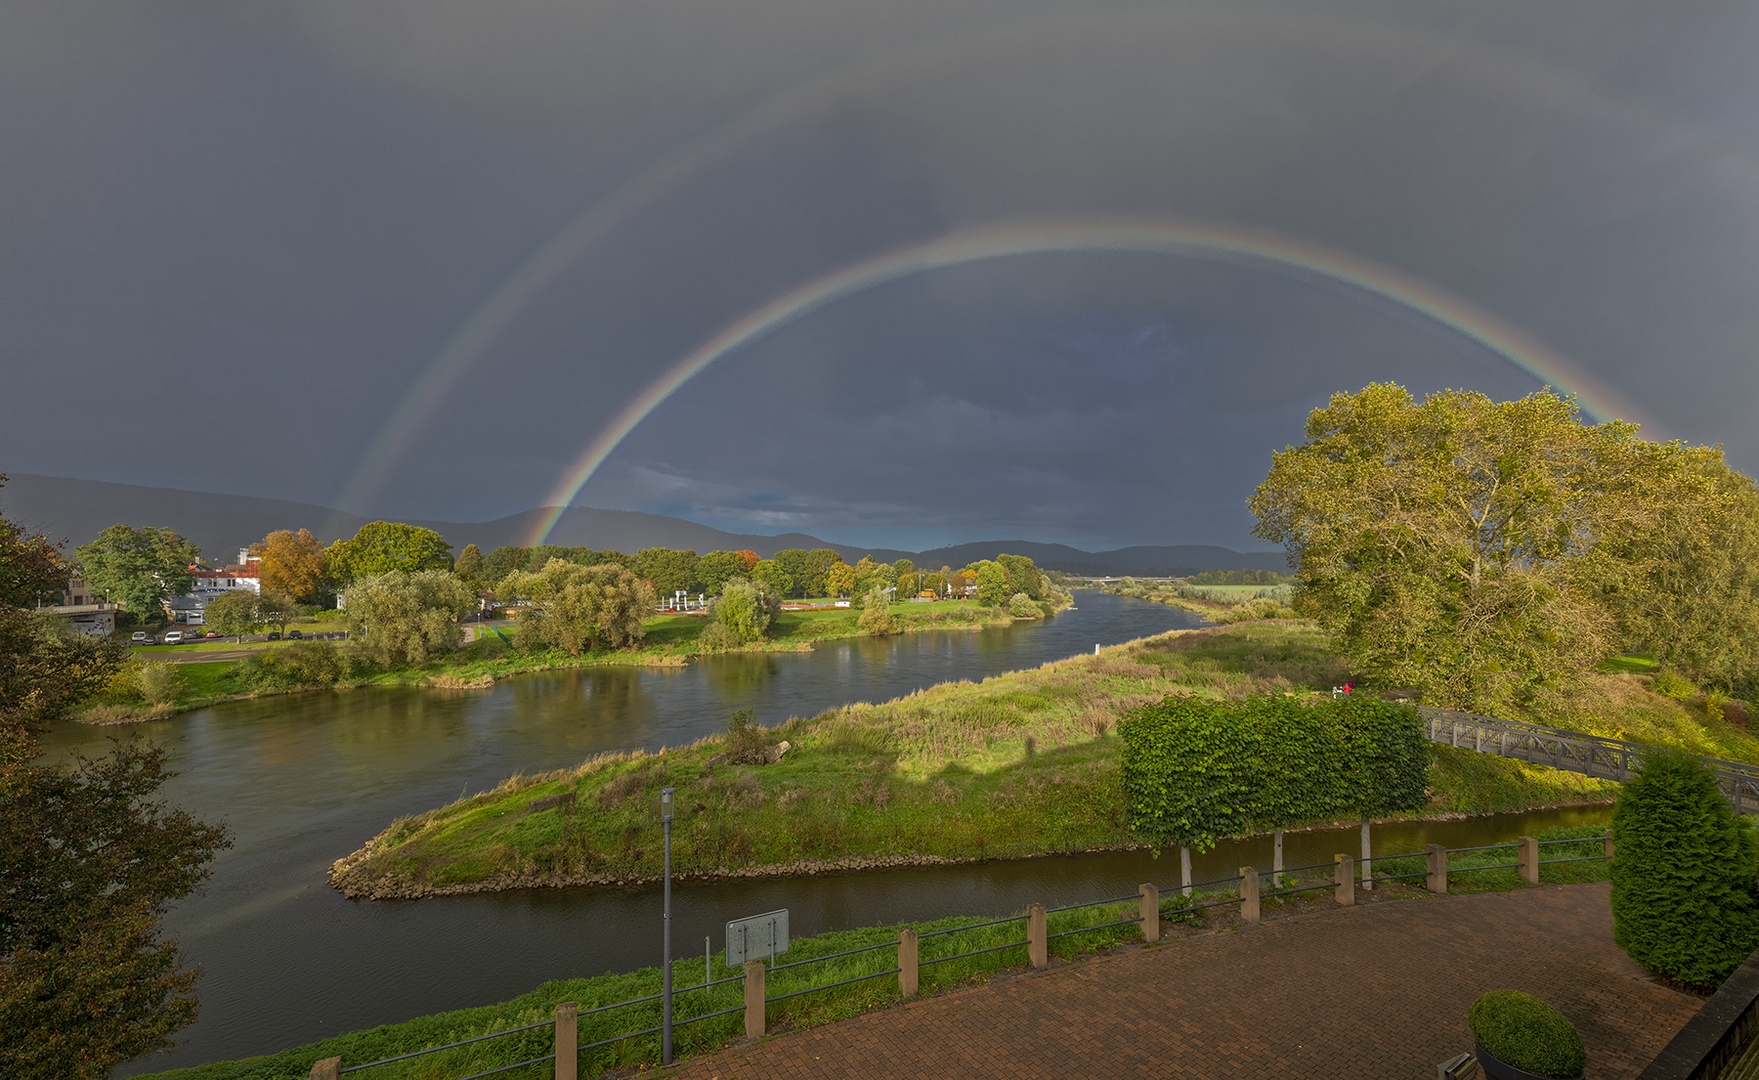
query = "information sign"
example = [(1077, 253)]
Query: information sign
[(759, 937)]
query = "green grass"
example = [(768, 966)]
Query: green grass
[(1635, 664), (690, 1000), (1021, 764)]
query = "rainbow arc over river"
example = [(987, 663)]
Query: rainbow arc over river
[(1157, 236)]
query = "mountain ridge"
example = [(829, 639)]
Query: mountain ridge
[(77, 510)]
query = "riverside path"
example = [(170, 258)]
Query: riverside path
[(1377, 991)]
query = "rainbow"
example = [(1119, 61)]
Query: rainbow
[(1500, 70), (1157, 236)]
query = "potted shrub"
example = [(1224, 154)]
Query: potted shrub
[(1520, 1037)]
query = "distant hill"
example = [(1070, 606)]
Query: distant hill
[(78, 510)]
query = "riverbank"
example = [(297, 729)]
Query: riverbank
[(1018, 765), (670, 641), (838, 1002)]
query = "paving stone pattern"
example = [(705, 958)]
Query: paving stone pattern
[(1379, 991)]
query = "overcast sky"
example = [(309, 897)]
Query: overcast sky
[(238, 240)]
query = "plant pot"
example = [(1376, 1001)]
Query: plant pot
[(1497, 1069)]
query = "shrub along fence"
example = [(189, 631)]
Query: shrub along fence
[(625, 1032)]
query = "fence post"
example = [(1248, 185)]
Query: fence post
[(1150, 912), (1249, 893), (1185, 870), (1529, 860), (1345, 879), (1037, 936), (1276, 861), (568, 1040), (1609, 845), (325, 1069), (907, 961), (1438, 869), (1367, 858), (753, 999)]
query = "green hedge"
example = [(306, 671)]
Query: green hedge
[(1683, 873), (1195, 771), (1527, 1033)]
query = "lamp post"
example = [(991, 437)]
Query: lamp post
[(666, 944)]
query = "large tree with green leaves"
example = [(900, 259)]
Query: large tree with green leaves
[(406, 617), (88, 861), (233, 613), (670, 571), (382, 547), (1460, 546), (139, 568), (580, 608)]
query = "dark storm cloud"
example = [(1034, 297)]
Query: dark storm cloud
[(236, 236)]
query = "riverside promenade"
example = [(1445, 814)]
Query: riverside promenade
[(1376, 991)]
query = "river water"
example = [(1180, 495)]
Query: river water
[(304, 779)]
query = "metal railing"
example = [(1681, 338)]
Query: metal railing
[(1574, 751)]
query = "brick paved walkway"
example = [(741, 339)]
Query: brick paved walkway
[(1379, 991)]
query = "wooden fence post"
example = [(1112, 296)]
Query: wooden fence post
[(1529, 860), (1344, 877), (1249, 893), (568, 1041), (326, 1069), (907, 961), (1609, 845), (1438, 869), (1038, 943), (1150, 912), (753, 999)]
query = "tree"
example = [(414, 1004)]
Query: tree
[(840, 579), (87, 863), (746, 608), (139, 568), (276, 609), (959, 581), (292, 564), (469, 566), (580, 608), (992, 582), (876, 610), (1689, 593), (670, 571), (501, 562), (771, 573), (713, 569), (1458, 546), (381, 547), (233, 612), (1683, 900), (403, 617), (1023, 575), (748, 559)]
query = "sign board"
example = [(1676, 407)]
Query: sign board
[(759, 937)]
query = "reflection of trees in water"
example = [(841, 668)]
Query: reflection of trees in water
[(597, 699), (390, 714), (737, 680)]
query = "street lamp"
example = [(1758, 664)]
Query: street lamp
[(666, 946)]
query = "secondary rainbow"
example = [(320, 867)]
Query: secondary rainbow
[(1158, 236)]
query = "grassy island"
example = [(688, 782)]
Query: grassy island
[(1021, 764)]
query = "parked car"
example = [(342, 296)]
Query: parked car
[(148, 639), (211, 633), (294, 635), (273, 636), (175, 637), (138, 637)]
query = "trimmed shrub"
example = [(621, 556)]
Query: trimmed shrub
[(1527, 1033), (1195, 771), (1683, 900)]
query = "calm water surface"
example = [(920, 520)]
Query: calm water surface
[(303, 780)]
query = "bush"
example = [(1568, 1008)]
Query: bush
[(160, 684), (716, 635), (1262, 607), (1670, 683), (302, 665), (878, 620), (1195, 771), (1527, 1033), (746, 608), (1682, 873), (1023, 607)]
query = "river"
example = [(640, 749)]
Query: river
[(304, 779)]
